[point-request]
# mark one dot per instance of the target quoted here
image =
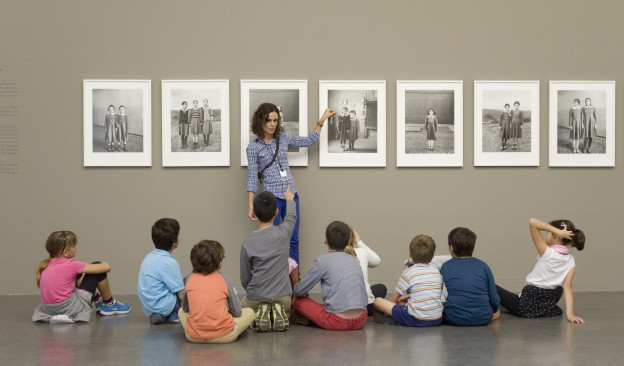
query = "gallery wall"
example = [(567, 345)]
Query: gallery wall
[(48, 48)]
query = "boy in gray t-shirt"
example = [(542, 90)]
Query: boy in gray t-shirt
[(264, 263)]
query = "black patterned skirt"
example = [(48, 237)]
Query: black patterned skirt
[(537, 302)]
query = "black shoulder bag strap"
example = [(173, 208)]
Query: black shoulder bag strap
[(260, 175)]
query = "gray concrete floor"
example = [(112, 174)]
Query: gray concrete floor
[(131, 340)]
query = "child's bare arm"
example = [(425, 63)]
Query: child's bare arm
[(536, 227), (569, 298), (96, 268)]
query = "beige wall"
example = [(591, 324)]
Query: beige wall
[(50, 47)]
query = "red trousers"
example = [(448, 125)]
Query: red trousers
[(317, 314)]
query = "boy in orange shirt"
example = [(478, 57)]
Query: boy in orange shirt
[(211, 312)]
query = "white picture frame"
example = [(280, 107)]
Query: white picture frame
[(414, 99), (292, 96), (212, 149), (489, 100), (108, 141), (563, 124), (368, 100)]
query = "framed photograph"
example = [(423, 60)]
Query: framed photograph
[(356, 135), (430, 123), (506, 118), (291, 97), (196, 122), (117, 122), (582, 123)]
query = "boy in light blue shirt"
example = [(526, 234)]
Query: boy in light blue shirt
[(161, 286)]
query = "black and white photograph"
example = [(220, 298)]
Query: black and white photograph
[(291, 98), (356, 135), (429, 123), (582, 123), (506, 123), (195, 122), (117, 122)]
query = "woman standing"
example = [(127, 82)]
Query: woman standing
[(517, 119), (195, 118), (268, 161), (576, 129), (588, 118), (504, 125)]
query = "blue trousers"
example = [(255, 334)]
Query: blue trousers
[(294, 240)]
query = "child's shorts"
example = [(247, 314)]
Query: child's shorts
[(401, 315)]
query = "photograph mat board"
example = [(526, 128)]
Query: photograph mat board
[(561, 97), (138, 93), (430, 159), (355, 158), (173, 93), (248, 87), (508, 89)]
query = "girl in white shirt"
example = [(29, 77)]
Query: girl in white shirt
[(552, 275), (368, 259)]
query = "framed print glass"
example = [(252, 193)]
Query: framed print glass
[(117, 123), (582, 123), (430, 123), (291, 98), (195, 123), (506, 123), (356, 135)]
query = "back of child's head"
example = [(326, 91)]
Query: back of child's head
[(56, 243), (264, 205), (165, 233), (206, 256), (350, 248), (337, 235), (578, 239), (422, 248), (462, 241)]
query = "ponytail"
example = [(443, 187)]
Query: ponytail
[(43, 265), (578, 240), (350, 250)]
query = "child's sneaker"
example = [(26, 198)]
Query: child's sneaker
[(173, 318), (115, 308), (382, 318), (263, 318), (280, 320), (157, 319), (298, 318), (98, 304)]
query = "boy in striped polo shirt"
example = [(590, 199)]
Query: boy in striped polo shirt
[(417, 300)]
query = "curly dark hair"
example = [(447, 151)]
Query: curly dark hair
[(260, 117), (206, 256)]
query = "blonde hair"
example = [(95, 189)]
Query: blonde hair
[(349, 249), (57, 242)]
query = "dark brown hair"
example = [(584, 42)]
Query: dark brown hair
[(206, 256), (578, 240), (422, 249), (261, 116)]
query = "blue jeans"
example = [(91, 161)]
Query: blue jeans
[(294, 239), (401, 315)]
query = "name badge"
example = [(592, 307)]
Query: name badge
[(283, 175)]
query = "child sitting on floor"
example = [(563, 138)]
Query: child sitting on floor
[(161, 286), (69, 287), (472, 298), (264, 270), (416, 301), (342, 285), (211, 312)]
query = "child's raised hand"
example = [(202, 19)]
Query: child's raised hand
[(356, 237), (564, 233), (288, 195)]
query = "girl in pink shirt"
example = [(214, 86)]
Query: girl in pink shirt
[(69, 287)]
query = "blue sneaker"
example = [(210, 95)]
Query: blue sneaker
[(173, 318), (115, 308), (98, 304)]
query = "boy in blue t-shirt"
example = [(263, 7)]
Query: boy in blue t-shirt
[(472, 298), (161, 287)]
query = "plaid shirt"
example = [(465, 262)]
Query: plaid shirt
[(260, 154)]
